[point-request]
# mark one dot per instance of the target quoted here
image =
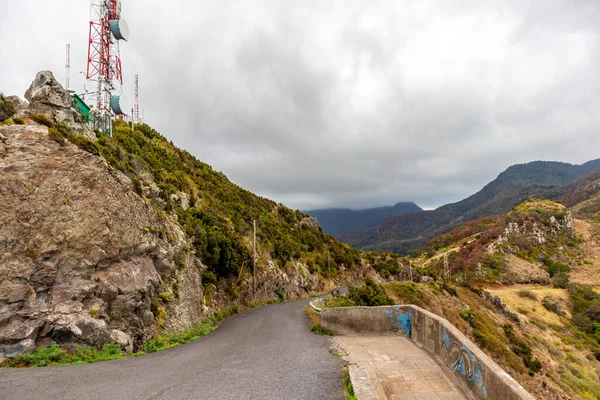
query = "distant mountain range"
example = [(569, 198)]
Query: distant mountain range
[(403, 233), (336, 221)]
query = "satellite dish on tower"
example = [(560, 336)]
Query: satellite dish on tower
[(119, 29), (120, 104)]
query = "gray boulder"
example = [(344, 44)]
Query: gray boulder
[(47, 97), (45, 89), (26, 346)]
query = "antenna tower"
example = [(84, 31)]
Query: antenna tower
[(136, 104), (104, 67), (68, 67)]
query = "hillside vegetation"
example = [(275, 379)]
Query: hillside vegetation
[(533, 269), (216, 213)]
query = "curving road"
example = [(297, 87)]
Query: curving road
[(265, 353)]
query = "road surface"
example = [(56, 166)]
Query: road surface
[(265, 353)]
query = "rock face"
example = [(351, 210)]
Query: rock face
[(78, 260), (47, 97), (45, 89)]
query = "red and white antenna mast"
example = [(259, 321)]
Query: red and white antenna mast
[(107, 29), (68, 67), (136, 105)]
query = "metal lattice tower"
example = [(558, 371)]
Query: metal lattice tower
[(136, 105), (104, 67)]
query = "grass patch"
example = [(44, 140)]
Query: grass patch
[(41, 119), (489, 337), (167, 340), (527, 295), (55, 355), (341, 301), (315, 323), (348, 385), (409, 293)]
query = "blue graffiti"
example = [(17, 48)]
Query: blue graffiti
[(445, 338), (466, 362), (401, 321), (404, 323)]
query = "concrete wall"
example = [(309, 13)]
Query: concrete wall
[(475, 371)]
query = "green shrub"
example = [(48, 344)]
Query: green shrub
[(41, 119), (209, 278), (18, 121), (55, 355), (558, 268), (369, 294), (56, 136), (527, 294), (522, 349), (86, 144), (166, 297), (168, 340), (551, 305), (316, 328), (342, 301), (489, 336), (561, 281), (349, 388), (7, 107)]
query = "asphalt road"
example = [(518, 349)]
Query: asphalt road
[(265, 353)]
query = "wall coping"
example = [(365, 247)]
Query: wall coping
[(442, 340)]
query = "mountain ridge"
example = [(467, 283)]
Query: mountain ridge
[(335, 221), (518, 182)]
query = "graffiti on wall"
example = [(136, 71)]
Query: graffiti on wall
[(400, 320), (464, 361)]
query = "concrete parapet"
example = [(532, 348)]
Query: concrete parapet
[(475, 371)]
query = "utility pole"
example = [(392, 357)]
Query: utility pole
[(254, 265), (328, 267)]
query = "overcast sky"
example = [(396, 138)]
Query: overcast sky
[(319, 103)]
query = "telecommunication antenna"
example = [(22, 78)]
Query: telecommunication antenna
[(104, 67), (136, 105), (68, 67)]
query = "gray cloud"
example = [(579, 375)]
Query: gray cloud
[(346, 103)]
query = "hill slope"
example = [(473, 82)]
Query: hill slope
[(407, 232), (118, 239), (524, 286), (336, 221)]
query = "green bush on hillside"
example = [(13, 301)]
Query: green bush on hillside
[(41, 119), (7, 107), (369, 294), (220, 216)]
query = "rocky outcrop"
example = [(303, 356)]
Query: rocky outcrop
[(79, 262), (47, 97)]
